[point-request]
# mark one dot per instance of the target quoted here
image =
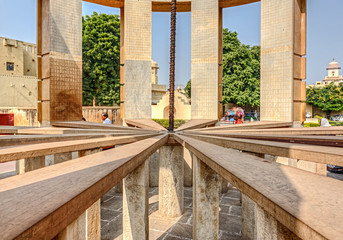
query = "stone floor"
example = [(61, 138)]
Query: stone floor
[(172, 228)]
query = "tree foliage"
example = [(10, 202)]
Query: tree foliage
[(101, 59), (241, 71), (328, 98), (188, 89)]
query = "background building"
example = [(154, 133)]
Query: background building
[(18, 73), (160, 99), (332, 77)]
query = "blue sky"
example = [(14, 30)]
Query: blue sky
[(325, 34)]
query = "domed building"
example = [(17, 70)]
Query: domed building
[(333, 74)]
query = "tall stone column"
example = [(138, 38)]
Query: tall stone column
[(59, 55), (206, 187), (136, 204), (137, 55), (171, 185), (205, 58), (283, 43)]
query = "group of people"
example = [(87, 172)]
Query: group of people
[(236, 116)]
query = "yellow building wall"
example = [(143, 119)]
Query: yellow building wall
[(181, 104)]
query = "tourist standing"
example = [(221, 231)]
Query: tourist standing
[(105, 118)]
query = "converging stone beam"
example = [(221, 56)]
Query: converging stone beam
[(171, 181), (206, 187)]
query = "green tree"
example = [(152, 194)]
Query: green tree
[(188, 88), (328, 98), (241, 71), (101, 63)]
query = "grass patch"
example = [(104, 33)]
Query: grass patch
[(165, 122)]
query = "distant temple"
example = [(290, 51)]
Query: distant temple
[(332, 77), (333, 73)]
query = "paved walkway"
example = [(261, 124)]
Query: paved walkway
[(171, 228)]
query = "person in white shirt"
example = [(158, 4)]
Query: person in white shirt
[(105, 118)]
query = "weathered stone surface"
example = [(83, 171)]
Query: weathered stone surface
[(205, 201), (76, 230), (137, 89), (62, 157), (93, 224), (248, 218), (182, 230), (231, 224), (269, 228), (136, 204), (29, 164), (188, 172), (171, 185), (154, 169)]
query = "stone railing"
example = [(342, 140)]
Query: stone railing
[(278, 201)]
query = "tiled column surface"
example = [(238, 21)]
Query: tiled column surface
[(171, 185), (205, 59), (59, 40), (136, 204), (137, 55), (206, 187), (283, 30)]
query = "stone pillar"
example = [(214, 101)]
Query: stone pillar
[(136, 204), (205, 59), (223, 185), (29, 164), (268, 228), (248, 218), (171, 185), (85, 227), (62, 157), (206, 187), (93, 218), (154, 169), (59, 56), (75, 231), (188, 168), (137, 70), (283, 43)]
